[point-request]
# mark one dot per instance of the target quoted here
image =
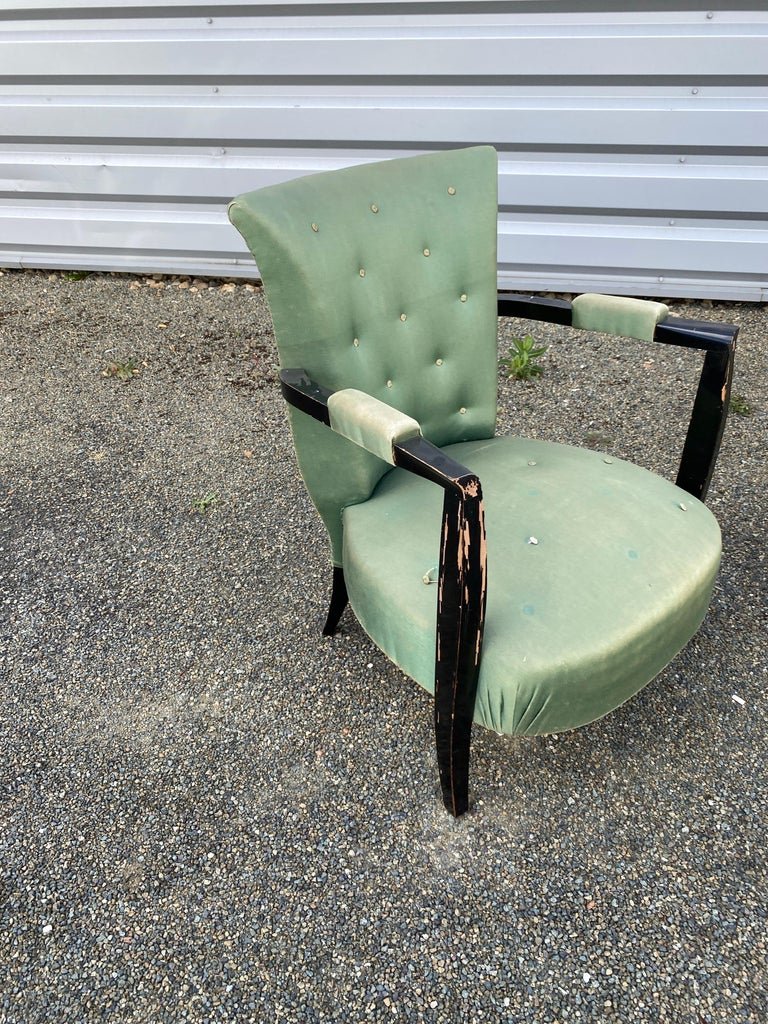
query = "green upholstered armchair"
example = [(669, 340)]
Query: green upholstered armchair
[(571, 579)]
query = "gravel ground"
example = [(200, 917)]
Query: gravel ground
[(212, 814)]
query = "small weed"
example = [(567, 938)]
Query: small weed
[(521, 363), (206, 503), (740, 405), (122, 371), (596, 439), (77, 275)]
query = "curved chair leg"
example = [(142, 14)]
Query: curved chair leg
[(460, 617), (338, 603)]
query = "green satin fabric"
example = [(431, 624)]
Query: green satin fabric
[(618, 314), (617, 582), (371, 424), (382, 277)]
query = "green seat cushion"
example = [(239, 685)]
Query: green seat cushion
[(599, 572)]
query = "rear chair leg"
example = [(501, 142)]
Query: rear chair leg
[(339, 600)]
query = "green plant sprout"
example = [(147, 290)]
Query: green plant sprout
[(122, 371), (740, 405), (206, 503), (520, 363)]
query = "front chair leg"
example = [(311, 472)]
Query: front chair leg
[(452, 742), (339, 600), (460, 617)]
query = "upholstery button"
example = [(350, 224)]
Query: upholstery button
[(356, 342), (531, 462), (463, 297), (361, 272), (315, 227), (374, 208), (438, 362), (608, 462), (403, 317), (426, 252), (683, 506), (451, 190), (389, 383), (462, 410)]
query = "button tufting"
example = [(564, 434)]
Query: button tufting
[(403, 317), (315, 227), (389, 383), (462, 410), (451, 190), (361, 272), (356, 342), (426, 252), (374, 208), (531, 462), (463, 297), (438, 362)]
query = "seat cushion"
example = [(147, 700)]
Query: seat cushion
[(599, 572)]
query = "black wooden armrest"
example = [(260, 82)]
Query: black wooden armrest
[(417, 455), (710, 407), (300, 391), (461, 587)]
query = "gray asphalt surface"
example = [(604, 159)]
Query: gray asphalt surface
[(212, 814)]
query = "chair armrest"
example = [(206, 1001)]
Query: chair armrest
[(718, 341), (415, 453), (300, 391), (462, 578), (370, 423), (618, 314)]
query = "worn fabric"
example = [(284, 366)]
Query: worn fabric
[(371, 424), (599, 572), (618, 314)]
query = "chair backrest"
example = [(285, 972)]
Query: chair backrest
[(382, 277)]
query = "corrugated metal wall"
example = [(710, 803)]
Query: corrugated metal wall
[(633, 138)]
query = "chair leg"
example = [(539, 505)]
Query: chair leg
[(452, 742), (460, 617), (338, 603)]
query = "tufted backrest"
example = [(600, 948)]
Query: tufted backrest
[(382, 277)]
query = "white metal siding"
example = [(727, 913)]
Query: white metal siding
[(633, 138)]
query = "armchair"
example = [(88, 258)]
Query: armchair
[(593, 573)]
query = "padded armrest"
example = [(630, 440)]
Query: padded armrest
[(648, 321), (370, 423), (411, 452), (618, 314)]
